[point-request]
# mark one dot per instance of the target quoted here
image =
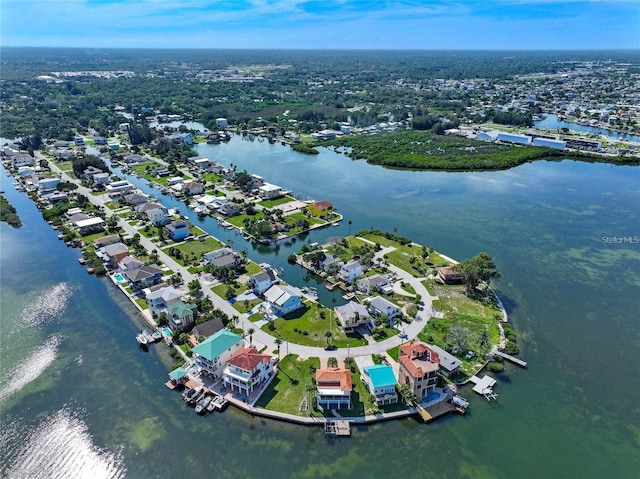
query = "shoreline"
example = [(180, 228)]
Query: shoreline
[(318, 352)]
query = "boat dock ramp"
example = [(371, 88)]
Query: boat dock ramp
[(513, 359)]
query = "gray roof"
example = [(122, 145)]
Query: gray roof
[(115, 248), (447, 361)]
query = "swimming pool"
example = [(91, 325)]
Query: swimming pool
[(167, 332), (119, 278), (432, 396)]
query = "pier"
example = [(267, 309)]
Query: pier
[(512, 359), (337, 428)]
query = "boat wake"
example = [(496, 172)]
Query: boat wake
[(29, 368), (49, 305), (60, 446)]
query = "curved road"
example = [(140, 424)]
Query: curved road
[(410, 330)]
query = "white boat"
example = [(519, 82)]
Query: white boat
[(202, 404), (192, 394), (142, 339)]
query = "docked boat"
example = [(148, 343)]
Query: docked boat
[(192, 394), (142, 339), (203, 404)]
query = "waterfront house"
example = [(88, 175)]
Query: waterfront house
[(177, 230), (157, 214), (181, 315), (268, 191), (449, 364), (329, 262), (448, 275), (352, 315), (192, 188), (22, 159), (89, 225), (262, 281), (222, 123), (283, 299), (114, 252), (176, 180), (223, 257), (90, 171), (116, 189), (48, 184), (247, 369), (320, 208), (229, 209), (334, 388), (350, 271), (129, 263), (418, 366), (144, 276), (101, 178), (107, 240), (160, 299), (372, 284), (212, 354), (186, 138), (381, 382), (204, 330), (54, 197), (132, 158), (135, 199), (379, 306)]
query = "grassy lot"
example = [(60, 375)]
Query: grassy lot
[(221, 289), (468, 313), (276, 202), (252, 268), (394, 352), (246, 305), (195, 248), (288, 388), (65, 166), (306, 326), (142, 303)]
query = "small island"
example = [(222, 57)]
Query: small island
[(8, 213)]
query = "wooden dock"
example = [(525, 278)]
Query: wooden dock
[(512, 359), (337, 428)]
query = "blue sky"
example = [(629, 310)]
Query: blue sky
[(354, 24)]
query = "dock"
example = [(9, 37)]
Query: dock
[(337, 428), (484, 386), (512, 359)]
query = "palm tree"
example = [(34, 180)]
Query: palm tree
[(328, 335), (250, 332), (483, 339), (407, 394), (310, 388), (278, 342)]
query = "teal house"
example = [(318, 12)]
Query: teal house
[(212, 354)]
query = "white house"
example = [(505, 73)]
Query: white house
[(212, 354), (247, 369), (372, 284), (269, 191), (157, 214), (379, 306), (283, 299), (262, 281), (118, 188), (160, 299), (352, 315), (334, 388)]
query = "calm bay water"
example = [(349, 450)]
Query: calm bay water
[(79, 399)]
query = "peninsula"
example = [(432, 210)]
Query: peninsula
[(416, 324)]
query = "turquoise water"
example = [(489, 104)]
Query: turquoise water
[(76, 393), (119, 278)]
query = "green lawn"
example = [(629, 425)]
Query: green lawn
[(305, 326), (221, 289), (197, 248), (288, 388), (142, 303), (276, 202), (252, 268), (65, 166)]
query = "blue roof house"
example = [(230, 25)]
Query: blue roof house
[(381, 382)]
